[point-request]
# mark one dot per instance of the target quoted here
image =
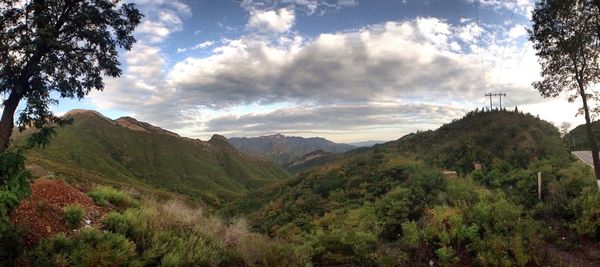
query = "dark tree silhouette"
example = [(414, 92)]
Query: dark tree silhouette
[(565, 38), (57, 46)]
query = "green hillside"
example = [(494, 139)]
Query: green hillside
[(579, 136), (391, 206), (133, 152), (489, 138)]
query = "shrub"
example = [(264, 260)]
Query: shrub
[(90, 247), (105, 195), (11, 243), (8, 202), (587, 208), (117, 223), (73, 215)]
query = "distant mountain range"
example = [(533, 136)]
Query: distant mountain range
[(127, 151), (369, 143), (285, 150)]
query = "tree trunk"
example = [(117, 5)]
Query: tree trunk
[(8, 118), (597, 4), (592, 139)]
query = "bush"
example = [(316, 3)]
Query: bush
[(8, 202), (73, 215), (117, 223), (11, 243), (587, 208), (105, 195), (90, 247)]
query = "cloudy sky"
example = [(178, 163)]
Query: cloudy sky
[(347, 70)]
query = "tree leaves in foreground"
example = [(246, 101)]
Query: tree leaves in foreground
[(59, 48), (564, 35)]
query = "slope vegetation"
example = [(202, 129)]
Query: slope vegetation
[(132, 152), (390, 205), (577, 138)]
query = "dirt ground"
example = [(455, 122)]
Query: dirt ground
[(42, 213)]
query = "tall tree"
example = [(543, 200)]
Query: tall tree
[(57, 48), (564, 128), (565, 36)]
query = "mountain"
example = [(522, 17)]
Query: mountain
[(391, 203), (367, 143), (132, 152), (284, 150)]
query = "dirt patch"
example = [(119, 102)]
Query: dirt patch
[(42, 213)]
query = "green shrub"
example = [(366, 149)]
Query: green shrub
[(446, 256), (587, 208), (13, 175), (11, 243), (117, 223), (105, 195), (73, 215), (90, 247), (8, 202)]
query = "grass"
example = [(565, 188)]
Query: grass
[(172, 233), (73, 216), (105, 196)]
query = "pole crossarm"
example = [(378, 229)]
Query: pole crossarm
[(499, 95)]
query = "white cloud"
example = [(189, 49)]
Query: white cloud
[(162, 18), (419, 58), (427, 62), (517, 31), (522, 7), (310, 7), (278, 21), (202, 45)]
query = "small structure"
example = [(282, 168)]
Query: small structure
[(477, 166)]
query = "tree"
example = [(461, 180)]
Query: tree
[(57, 47), (565, 39), (564, 128)]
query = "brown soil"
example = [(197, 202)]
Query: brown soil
[(42, 213)]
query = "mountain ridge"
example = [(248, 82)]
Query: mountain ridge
[(284, 150), (138, 153)]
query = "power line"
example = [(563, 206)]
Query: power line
[(522, 56), (506, 41), (479, 45)]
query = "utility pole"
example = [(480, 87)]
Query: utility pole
[(500, 95), (490, 95)]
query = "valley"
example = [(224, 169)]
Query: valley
[(301, 133), (384, 205)]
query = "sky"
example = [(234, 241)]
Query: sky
[(346, 70)]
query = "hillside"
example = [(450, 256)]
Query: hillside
[(579, 136), (390, 205), (488, 138), (284, 150), (132, 152)]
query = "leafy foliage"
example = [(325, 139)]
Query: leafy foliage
[(565, 35), (390, 205), (65, 47), (14, 186)]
